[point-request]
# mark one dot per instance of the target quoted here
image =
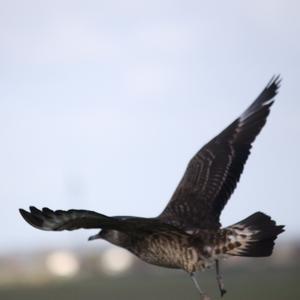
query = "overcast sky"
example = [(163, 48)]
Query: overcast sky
[(102, 104)]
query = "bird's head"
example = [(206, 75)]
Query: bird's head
[(113, 236)]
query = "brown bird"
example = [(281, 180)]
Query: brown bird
[(187, 235)]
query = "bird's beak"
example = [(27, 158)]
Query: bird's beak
[(94, 237)]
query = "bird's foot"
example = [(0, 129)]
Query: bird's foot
[(205, 297), (223, 292)]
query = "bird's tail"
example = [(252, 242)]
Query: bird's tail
[(253, 236)]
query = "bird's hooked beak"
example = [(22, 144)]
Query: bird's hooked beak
[(94, 237)]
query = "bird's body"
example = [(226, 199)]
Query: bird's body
[(187, 235), (181, 251), (172, 250), (197, 250)]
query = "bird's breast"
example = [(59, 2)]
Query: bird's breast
[(172, 251)]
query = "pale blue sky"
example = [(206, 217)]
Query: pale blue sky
[(102, 104)]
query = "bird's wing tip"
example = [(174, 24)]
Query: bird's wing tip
[(31, 218), (24, 213), (275, 82)]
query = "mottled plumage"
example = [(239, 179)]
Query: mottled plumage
[(187, 235)]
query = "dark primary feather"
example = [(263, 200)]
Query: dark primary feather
[(213, 173), (47, 219)]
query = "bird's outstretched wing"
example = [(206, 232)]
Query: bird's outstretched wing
[(58, 220), (213, 173), (47, 219)]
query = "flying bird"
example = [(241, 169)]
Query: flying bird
[(187, 234)]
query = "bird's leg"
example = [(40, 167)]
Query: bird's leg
[(203, 295), (220, 279)]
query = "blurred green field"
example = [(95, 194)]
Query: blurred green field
[(242, 283)]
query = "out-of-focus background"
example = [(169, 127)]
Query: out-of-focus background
[(102, 104)]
